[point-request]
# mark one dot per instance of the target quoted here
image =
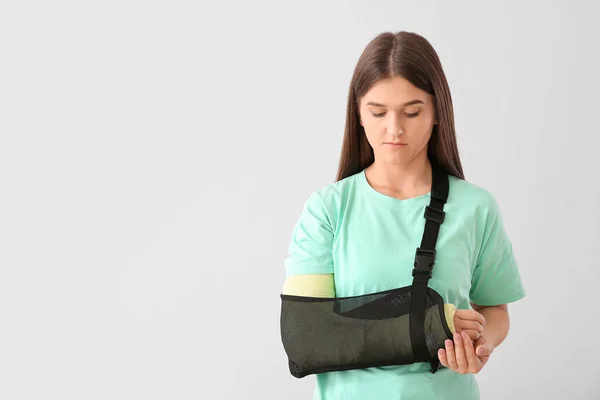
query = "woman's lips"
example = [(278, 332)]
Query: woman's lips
[(396, 144)]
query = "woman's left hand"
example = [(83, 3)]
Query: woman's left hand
[(464, 356)]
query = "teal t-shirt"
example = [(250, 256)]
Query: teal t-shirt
[(368, 241)]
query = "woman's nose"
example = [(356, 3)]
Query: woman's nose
[(394, 126)]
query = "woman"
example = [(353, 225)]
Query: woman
[(358, 235)]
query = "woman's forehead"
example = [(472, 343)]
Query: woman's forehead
[(395, 92)]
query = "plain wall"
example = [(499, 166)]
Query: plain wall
[(155, 156)]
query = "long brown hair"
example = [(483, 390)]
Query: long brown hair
[(407, 55)]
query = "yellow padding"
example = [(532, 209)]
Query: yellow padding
[(449, 311), (314, 285)]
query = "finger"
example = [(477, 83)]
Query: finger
[(470, 315), (484, 350), (442, 358), (473, 335), (459, 350), (483, 360), (468, 325), (450, 355), (472, 359)]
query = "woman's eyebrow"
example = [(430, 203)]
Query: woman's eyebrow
[(372, 103)]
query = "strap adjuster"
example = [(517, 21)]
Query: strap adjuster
[(424, 260), (435, 215)]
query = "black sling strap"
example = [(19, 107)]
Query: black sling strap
[(424, 260)]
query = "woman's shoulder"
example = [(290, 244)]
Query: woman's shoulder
[(331, 193), (330, 199), (471, 195)]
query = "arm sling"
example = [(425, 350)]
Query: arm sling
[(400, 326)]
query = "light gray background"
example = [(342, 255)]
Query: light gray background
[(155, 156)]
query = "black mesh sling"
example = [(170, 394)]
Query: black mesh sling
[(393, 327)]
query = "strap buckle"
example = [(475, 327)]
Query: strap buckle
[(435, 215), (424, 260)]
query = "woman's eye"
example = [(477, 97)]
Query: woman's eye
[(383, 113)]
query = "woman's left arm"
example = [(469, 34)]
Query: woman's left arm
[(465, 356), (497, 325)]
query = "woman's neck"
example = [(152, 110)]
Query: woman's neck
[(405, 181)]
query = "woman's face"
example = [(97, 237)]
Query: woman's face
[(398, 118)]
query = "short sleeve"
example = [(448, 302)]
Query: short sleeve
[(310, 249), (496, 278)]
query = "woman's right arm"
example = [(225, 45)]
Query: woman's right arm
[(310, 285), (309, 265)]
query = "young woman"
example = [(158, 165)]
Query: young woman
[(358, 235)]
